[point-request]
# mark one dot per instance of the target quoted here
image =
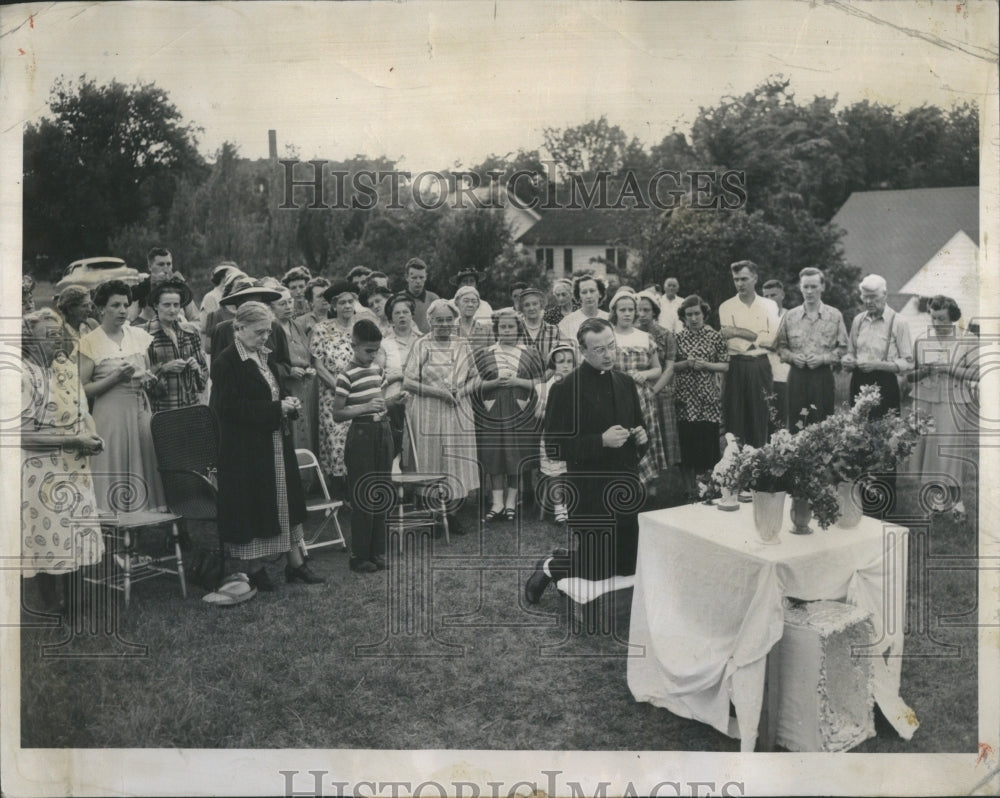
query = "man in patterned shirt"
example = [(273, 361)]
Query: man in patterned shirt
[(811, 340)]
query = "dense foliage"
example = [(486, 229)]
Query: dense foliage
[(115, 169)]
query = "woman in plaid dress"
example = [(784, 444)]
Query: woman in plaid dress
[(637, 357), (175, 354), (663, 389)]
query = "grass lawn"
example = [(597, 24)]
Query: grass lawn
[(309, 666)]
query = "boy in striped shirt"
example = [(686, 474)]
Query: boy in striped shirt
[(368, 449)]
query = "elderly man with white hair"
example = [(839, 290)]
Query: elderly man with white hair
[(879, 349)]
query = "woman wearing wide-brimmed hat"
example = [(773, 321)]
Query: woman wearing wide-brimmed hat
[(175, 355), (243, 289)]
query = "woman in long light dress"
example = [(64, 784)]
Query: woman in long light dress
[(332, 350), (440, 374), (946, 370), (60, 530), (115, 373)]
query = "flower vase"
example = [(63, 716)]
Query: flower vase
[(727, 501), (801, 515), (768, 510), (851, 510)]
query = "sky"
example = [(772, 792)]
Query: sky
[(433, 85)]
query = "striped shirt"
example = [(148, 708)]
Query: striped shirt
[(360, 384)]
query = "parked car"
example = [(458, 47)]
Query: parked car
[(91, 272)]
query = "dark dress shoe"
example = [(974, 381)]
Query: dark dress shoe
[(302, 574), (379, 562), (536, 583), (261, 581), (363, 566)]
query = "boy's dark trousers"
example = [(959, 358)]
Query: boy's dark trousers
[(368, 456)]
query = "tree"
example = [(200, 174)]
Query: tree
[(595, 146), (109, 157), (787, 150), (697, 246)]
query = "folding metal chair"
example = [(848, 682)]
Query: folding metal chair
[(329, 507)]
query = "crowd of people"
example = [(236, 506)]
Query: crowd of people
[(571, 381)]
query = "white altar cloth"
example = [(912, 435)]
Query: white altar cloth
[(707, 608)]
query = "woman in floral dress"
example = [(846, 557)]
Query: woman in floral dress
[(60, 530), (637, 357), (332, 351), (701, 356)]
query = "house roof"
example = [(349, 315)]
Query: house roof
[(894, 233), (577, 227)]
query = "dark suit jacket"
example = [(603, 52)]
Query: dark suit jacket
[(576, 416), (241, 398)]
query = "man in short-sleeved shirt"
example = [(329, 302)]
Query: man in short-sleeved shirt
[(811, 340)]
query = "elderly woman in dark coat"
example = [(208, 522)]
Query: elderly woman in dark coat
[(261, 505)]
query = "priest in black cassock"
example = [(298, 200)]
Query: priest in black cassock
[(594, 422)]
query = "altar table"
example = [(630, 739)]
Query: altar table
[(708, 606)]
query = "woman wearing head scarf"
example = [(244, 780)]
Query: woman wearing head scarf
[(439, 374), (261, 506), (60, 530), (332, 350), (115, 373), (175, 355)]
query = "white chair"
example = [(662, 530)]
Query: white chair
[(329, 507)]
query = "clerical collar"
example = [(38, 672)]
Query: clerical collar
[(594, 369)]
